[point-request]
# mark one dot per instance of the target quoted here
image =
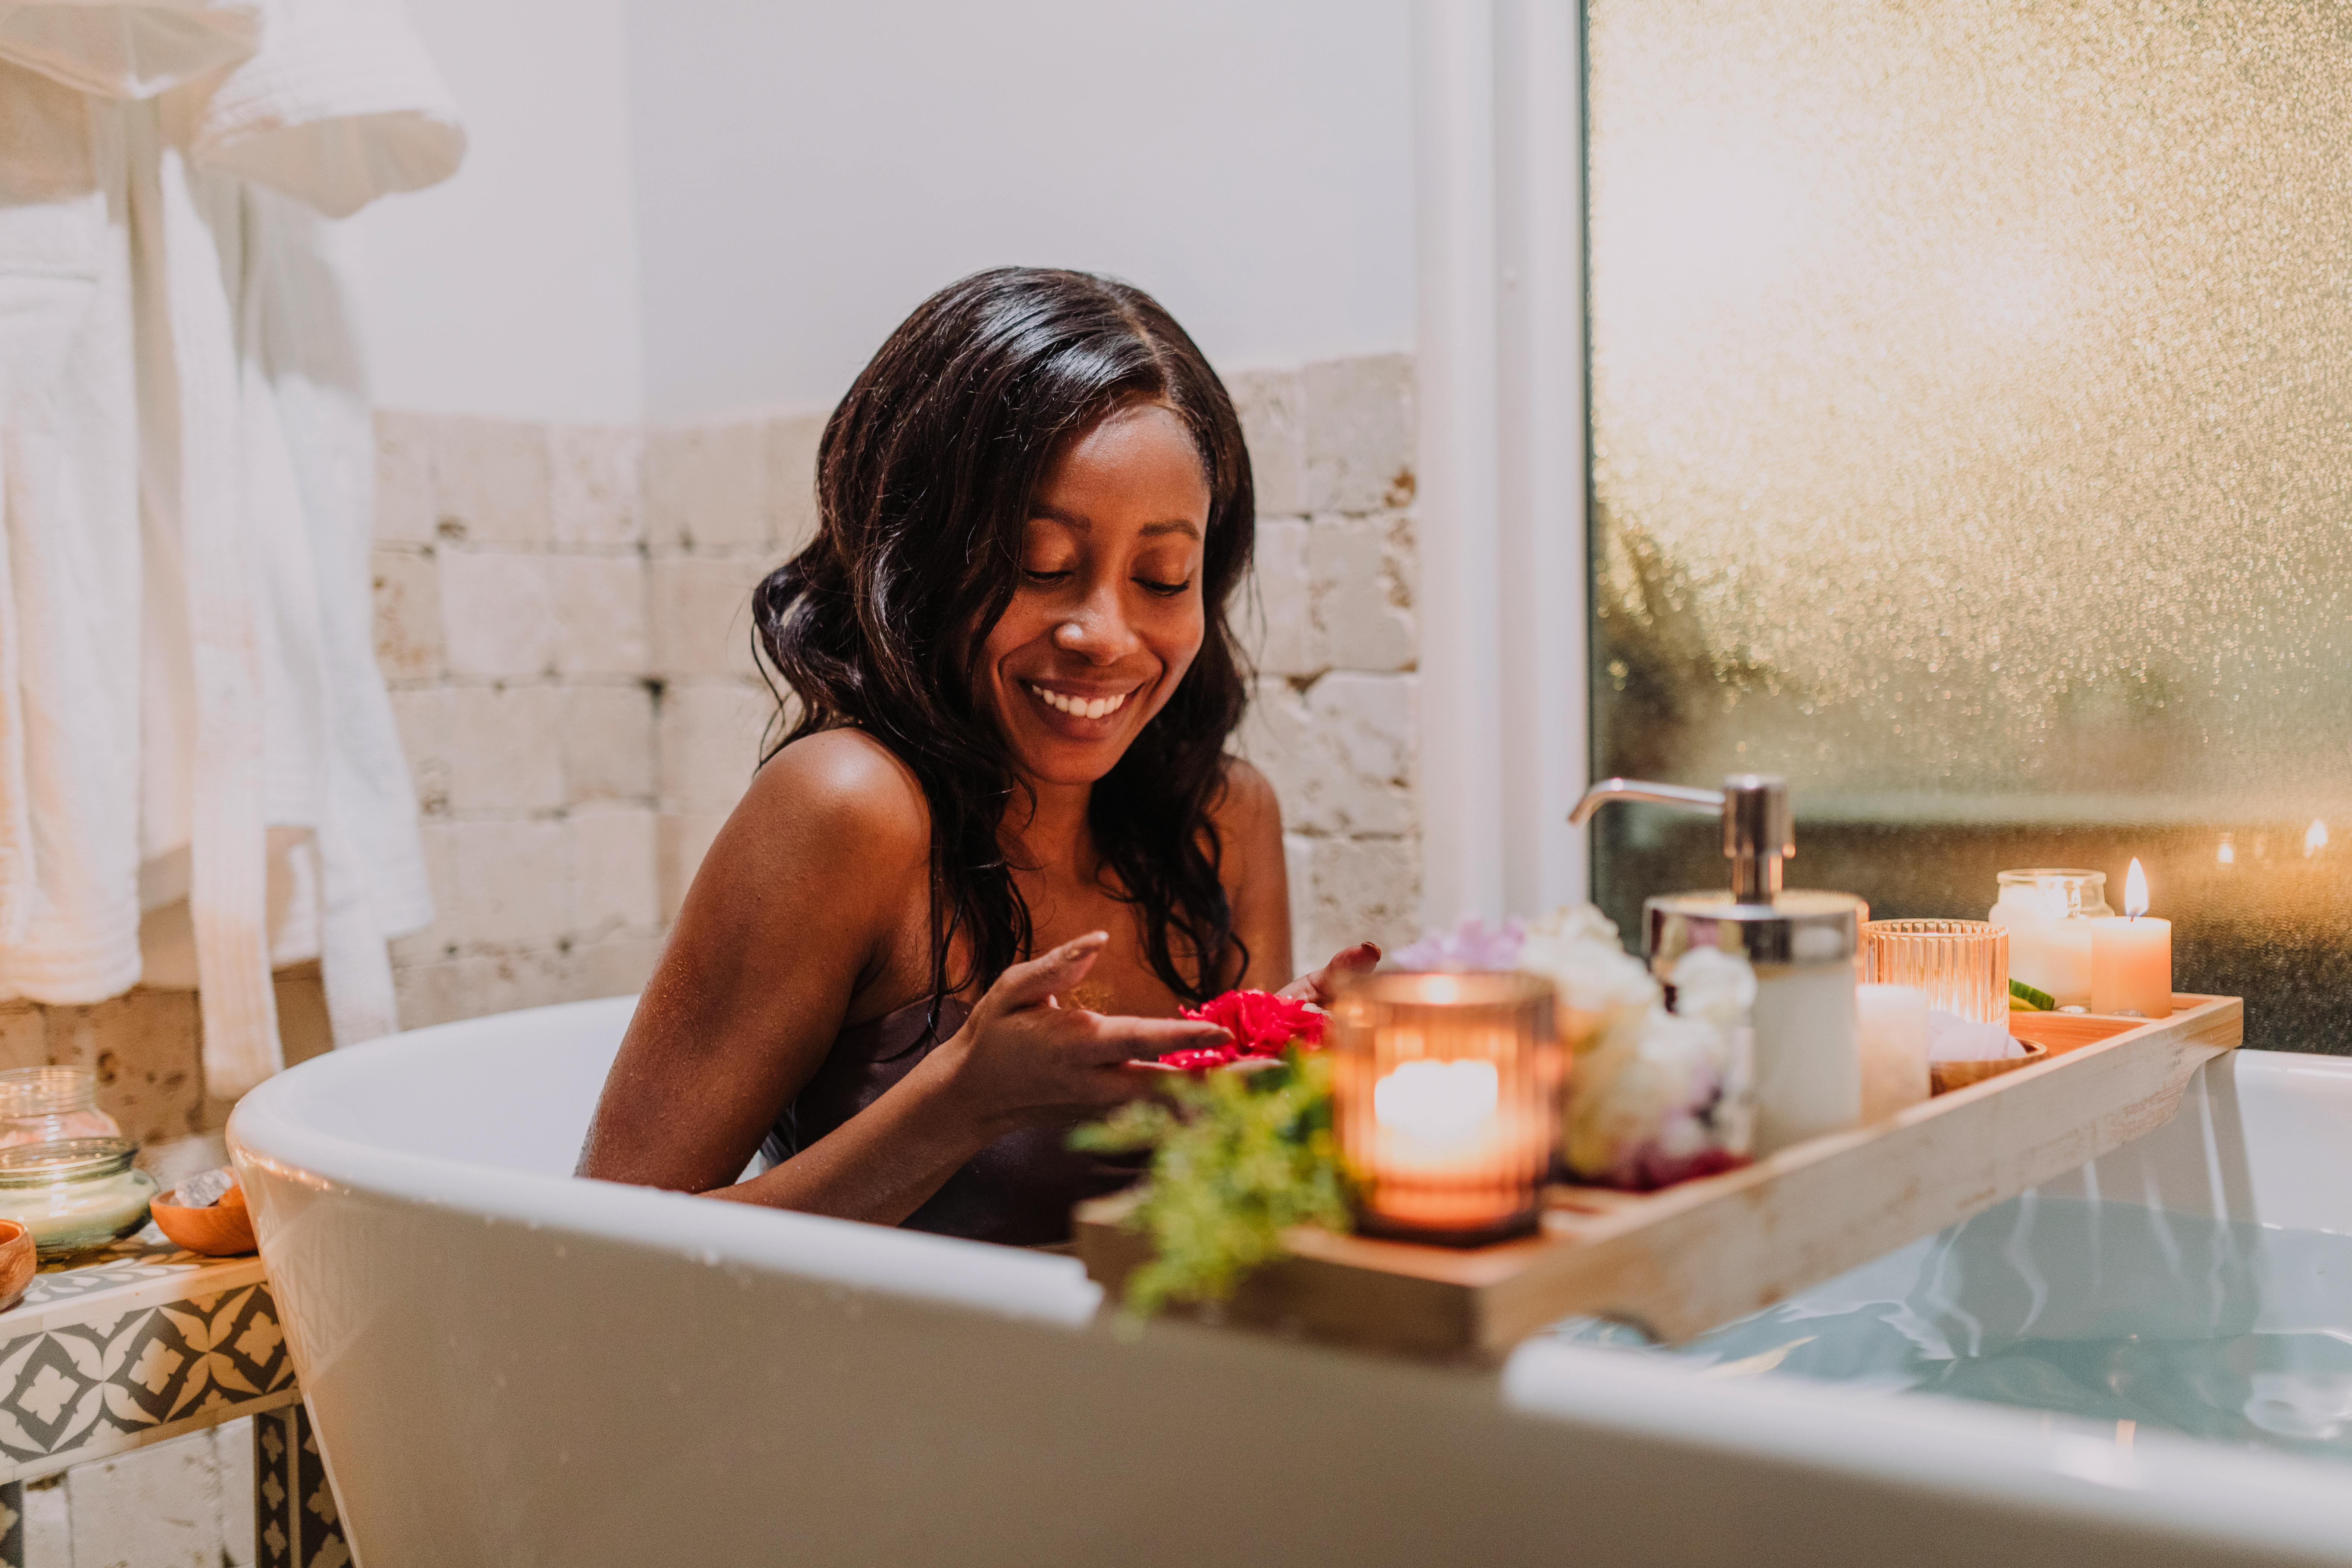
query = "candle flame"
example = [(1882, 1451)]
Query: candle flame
[(1437, 1101), (2135, 890), (2228, 854), (2314, 838)]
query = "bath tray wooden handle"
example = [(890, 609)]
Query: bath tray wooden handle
[(1681, 1260)]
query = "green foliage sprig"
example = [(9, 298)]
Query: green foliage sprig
[(1237, 1159)]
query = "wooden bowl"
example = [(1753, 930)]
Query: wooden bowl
[(223, 1230), (17, 1261), (1945, 1077)]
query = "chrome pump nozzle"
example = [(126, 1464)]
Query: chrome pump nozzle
[(1758, 831)]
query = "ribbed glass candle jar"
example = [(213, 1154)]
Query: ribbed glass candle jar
[(1446, 1095), (1962, 965)]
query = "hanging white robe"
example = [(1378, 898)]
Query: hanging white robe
[(69, 646), (242, 712)]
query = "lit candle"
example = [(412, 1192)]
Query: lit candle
[(2131, 959), (1447, 1100), (1894, 1049)]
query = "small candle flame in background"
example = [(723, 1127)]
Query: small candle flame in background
[(1438, 1100), (2314, 838), (2228, 854), (2135, 890)]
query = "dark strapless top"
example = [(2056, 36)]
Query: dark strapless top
[(1019, 1190)]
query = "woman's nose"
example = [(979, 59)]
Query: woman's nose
[(1098, 631)]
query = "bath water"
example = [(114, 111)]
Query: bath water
[(2108, 1311)]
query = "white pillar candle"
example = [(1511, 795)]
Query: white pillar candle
[(2131, 959), (2131, 967), (1894, 1049)]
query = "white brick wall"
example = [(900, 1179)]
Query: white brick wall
[(1333, 637)]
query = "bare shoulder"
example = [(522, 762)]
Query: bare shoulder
[(1248, 818), (1246, 806), (833, 823), (842, 787)]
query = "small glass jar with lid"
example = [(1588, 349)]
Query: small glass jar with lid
[(2048, 910), (74, 1196), (51, 1104)]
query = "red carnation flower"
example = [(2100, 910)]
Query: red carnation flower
[(1262, 1025), (1200, 1059)]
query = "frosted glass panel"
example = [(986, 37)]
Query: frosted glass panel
[(1972, 442)]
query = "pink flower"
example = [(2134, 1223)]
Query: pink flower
[(1471, 945)]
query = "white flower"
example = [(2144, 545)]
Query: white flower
[(1661, 1090), (1600, 983)]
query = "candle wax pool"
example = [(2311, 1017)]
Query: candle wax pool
[(70, 1216), (2049, 953)]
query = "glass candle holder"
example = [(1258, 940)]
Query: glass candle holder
[(1446, 1095), (47, 1105), (2048, 910), (74, 1196), (1962, 965)]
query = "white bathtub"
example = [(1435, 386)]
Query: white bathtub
[(508, 1366)]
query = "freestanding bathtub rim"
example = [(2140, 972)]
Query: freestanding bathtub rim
[(2202, 1491), (269, 1129)]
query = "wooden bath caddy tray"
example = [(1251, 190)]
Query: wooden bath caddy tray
[(1681, 1260)]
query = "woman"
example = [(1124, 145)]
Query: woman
[(1002, 843)]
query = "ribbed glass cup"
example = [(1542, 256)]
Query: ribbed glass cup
[(1446, 1096), (1962, 965)]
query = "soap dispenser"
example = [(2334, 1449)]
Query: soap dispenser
[(1803, 947)]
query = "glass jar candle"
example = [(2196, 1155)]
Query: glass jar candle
[(48, 1105), (1960, 966), (2047, 911), (1446, 1090), (74, 1196)]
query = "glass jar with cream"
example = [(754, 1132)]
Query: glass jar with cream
[(2049, 911), (74, 1196), (47, 1105)]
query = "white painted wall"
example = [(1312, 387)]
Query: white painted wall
[(512, 289), (703, 205), (809, 171)]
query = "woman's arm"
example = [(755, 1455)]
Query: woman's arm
[(795, 910), (800, 912)]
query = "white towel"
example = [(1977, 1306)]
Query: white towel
[(341, 106), (69, 624), (232, 724), (113, 51)]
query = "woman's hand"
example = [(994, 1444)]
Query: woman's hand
[(1318, 986), (1023, 1059)]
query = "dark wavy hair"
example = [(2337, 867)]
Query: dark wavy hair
[(926, 477)]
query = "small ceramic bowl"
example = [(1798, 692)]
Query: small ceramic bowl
[(17, 1261), (1945, 1077), (222, 1230)]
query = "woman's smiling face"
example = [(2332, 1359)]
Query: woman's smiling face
[(1107, 617)]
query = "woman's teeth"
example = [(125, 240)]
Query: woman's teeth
[(1078, 708)]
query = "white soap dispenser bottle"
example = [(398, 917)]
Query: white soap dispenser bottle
[(1804, 946)]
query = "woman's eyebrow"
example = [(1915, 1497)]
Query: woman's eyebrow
[(1149, 531)]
